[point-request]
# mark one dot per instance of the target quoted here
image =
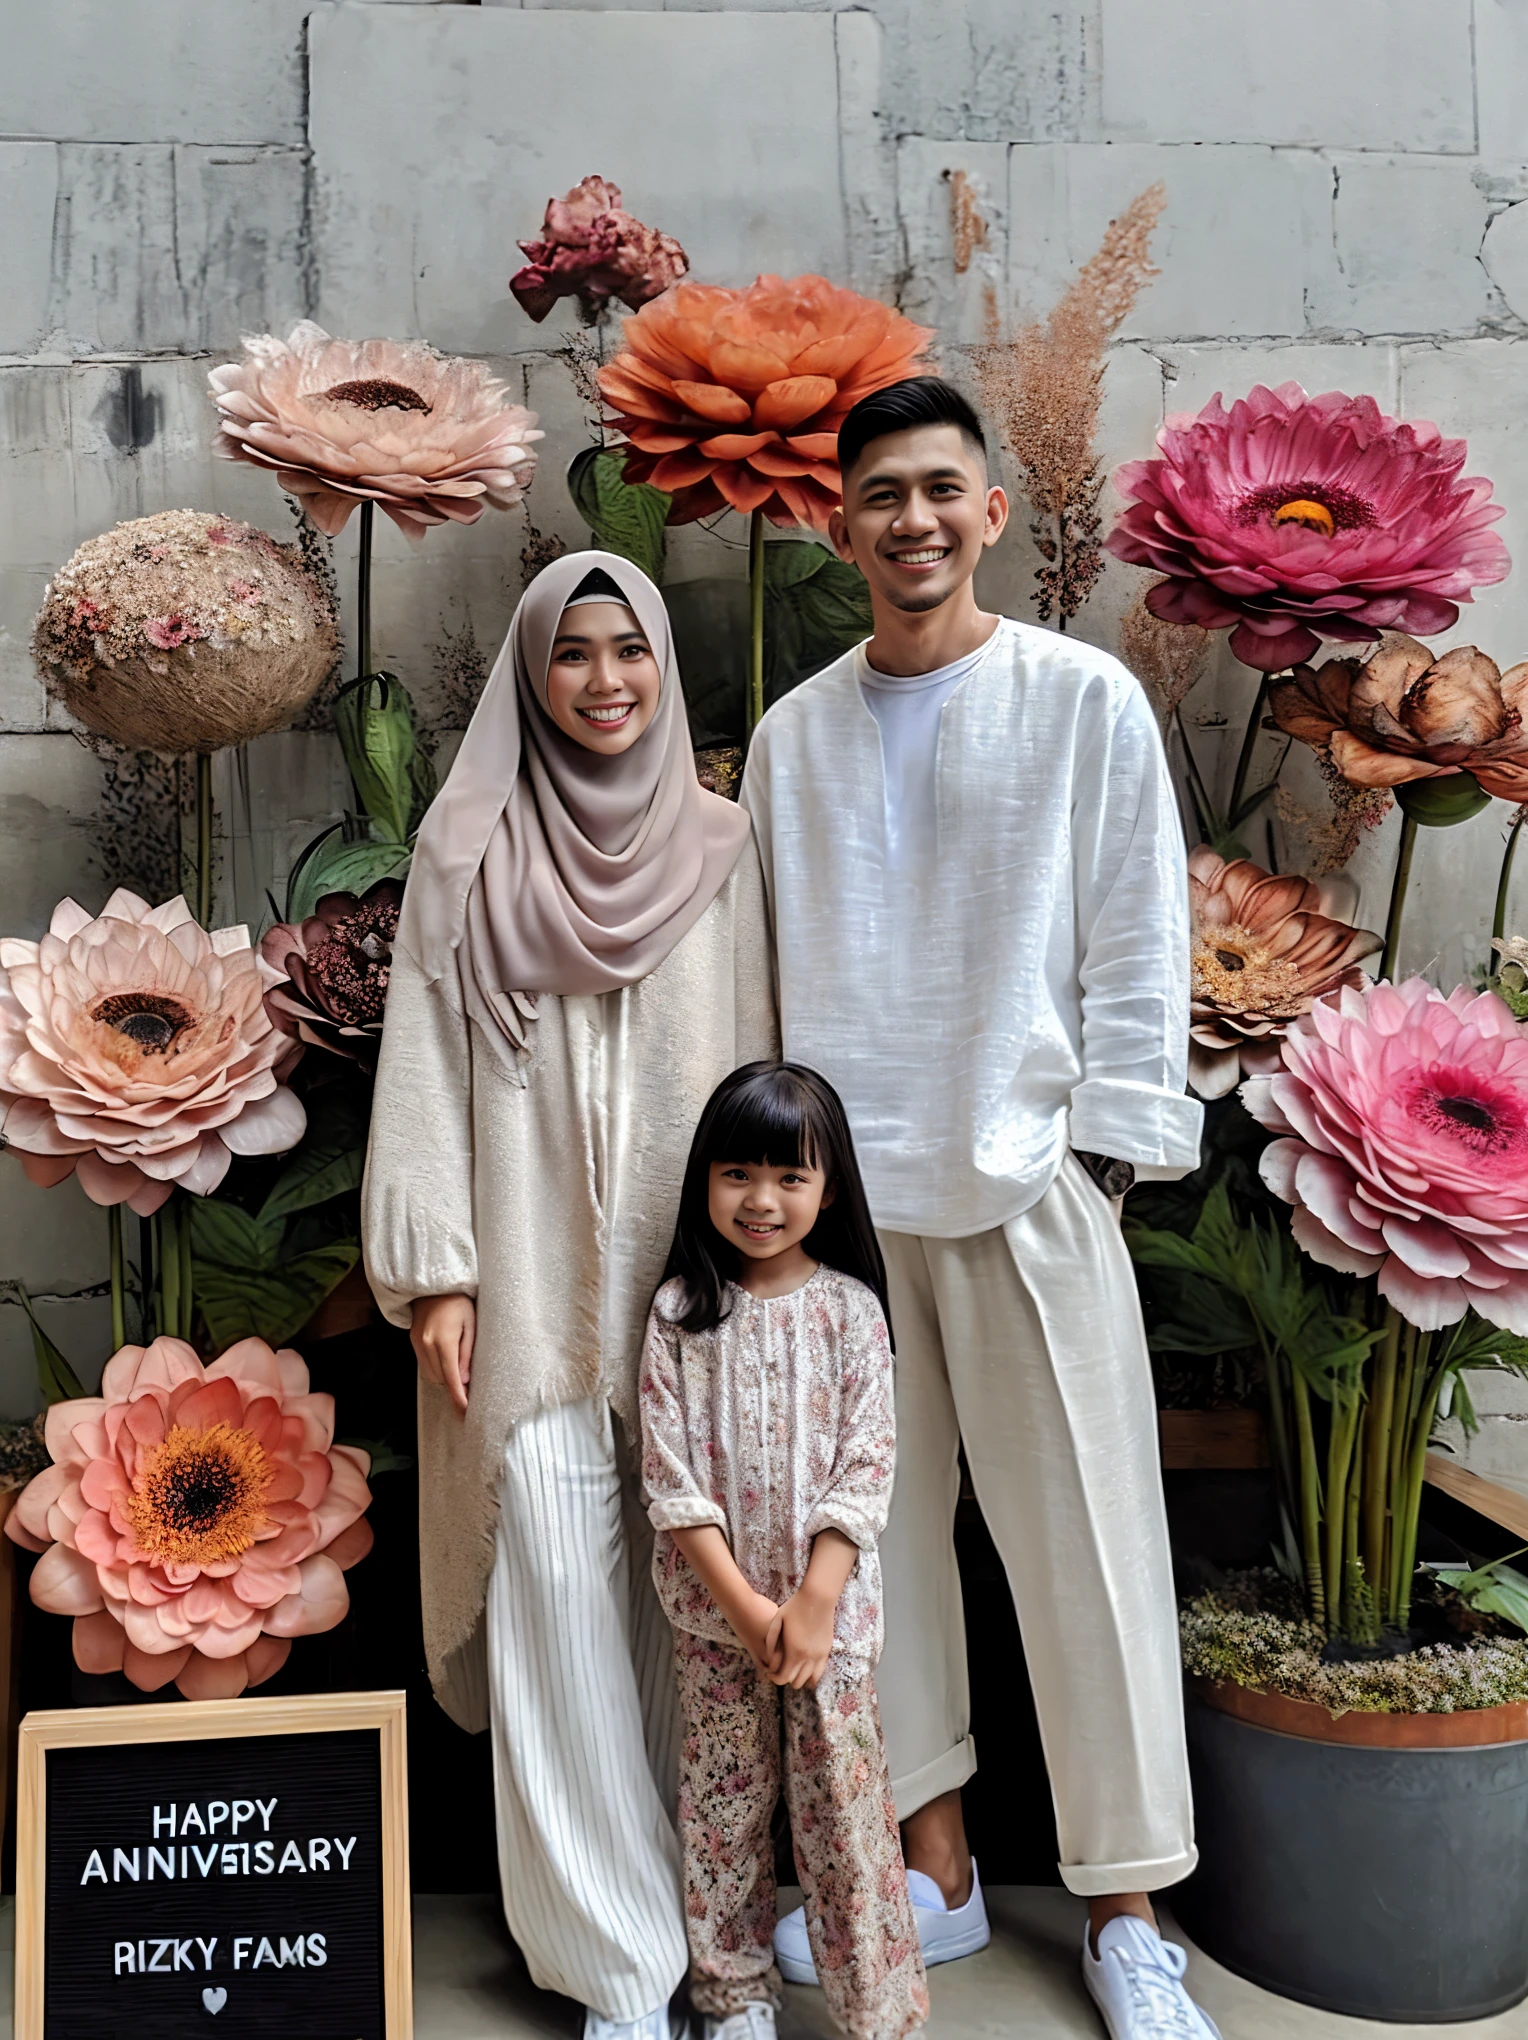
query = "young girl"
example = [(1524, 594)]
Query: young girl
[(768, 1441)]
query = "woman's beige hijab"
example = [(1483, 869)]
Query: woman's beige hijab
[(543, 867)]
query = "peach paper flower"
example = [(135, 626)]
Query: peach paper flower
[(136, 1052), (1403, 714), (734, 397), (1264, 950), (1404, 1117), (429, 438), (334, 969), (195, 1518)]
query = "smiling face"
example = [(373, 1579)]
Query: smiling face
[(764, 1211), (918, 512), (603, 682)]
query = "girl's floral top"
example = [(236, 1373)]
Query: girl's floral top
[(775, 1425)]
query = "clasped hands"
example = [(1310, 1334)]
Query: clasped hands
[(791, 1644)]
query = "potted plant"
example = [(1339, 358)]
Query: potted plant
[(1358, 1724)]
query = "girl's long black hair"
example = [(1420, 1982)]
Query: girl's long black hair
[(789, 1117)]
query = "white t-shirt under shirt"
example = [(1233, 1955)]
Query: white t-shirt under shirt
[(907, 712)]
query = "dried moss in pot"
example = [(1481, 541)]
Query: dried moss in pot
[(1253, 1632), (185, 631)]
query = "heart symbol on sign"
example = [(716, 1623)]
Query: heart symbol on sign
[(215, 2000)]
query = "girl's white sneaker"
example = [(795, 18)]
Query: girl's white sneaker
[(1136, 1981), (753, 2022)]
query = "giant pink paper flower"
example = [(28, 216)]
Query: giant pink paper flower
[(136, 1052), (1405, 1148), (591, 248), (429, 438), (194, 1518), (1296, 518)]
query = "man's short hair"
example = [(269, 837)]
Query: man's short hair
[(921, 400)]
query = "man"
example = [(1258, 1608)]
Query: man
[(976, 877)]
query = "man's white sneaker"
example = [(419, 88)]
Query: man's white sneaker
[(943, 1934), (753, 2022), (655, 2025), (1136, 1981)]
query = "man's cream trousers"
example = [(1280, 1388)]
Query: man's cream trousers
[(1026, 1343)]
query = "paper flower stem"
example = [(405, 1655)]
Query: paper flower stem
[(363, 595), (204, 839), (1248, 747), (1499, 918), (118, 1278), (756, 619), (1402, 878)]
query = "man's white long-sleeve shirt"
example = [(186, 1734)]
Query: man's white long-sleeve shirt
[(1026, 987)]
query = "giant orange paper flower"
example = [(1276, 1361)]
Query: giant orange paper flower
[(734, 397), (195, 1518)]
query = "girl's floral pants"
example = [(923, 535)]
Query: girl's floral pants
[(832, 1766)]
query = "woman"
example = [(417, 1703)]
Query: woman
[(583, 955)]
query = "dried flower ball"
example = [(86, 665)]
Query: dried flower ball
[(185, 631)]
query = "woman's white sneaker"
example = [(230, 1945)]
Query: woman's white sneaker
[(944, 1934), (1136, 1981), (753, 2022), (655, 2025)]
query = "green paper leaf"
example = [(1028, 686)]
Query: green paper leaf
[(226, 1236), (273, 1304), (1440, 803), (815, 607), (1495, 1589), (394, 780), (328, 1161), (56, 1379), (334, 865), (383, 1457), (626, 517)]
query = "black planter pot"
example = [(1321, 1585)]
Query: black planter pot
[(1383, 1883)]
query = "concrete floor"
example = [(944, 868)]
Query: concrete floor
[(469, 1985)]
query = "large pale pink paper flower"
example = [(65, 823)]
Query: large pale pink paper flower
[(1296, 518), (136, 1053), (1404, 1117), (429, 438), (591, 248), (195, 1518)]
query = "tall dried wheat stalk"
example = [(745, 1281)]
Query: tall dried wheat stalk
[(1167, 658), (1044, 388)]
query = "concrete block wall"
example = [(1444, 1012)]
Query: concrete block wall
[(1345, 206)]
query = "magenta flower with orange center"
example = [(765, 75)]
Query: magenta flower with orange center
[(1293, 518), (195, 1519)]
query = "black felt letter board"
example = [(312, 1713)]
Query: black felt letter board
[(256, 1909)]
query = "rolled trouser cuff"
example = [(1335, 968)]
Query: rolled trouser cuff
[(946, 1774), (1108, 1880)]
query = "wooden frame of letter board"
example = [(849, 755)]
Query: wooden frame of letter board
[(202, 1720)]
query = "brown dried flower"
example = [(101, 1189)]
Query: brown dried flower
[(1167, 658), (1045, 386), (1264, 949)]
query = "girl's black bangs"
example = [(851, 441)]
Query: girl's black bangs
[(772, 1125)]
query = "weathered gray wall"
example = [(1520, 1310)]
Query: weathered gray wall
[(1344, 183)]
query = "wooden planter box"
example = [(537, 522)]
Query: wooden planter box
[(1211, 1441)]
